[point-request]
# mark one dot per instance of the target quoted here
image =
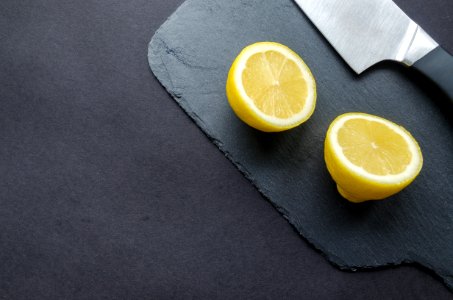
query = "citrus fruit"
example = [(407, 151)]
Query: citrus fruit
[(270, 88), (370, 157)]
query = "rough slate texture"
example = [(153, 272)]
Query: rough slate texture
[(191, 59)]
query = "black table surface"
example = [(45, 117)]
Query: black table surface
[(109, 191)]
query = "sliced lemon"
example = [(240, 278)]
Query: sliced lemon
[(369, 157), (270, 87)]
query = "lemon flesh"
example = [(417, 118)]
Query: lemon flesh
[(369, 157), (270, 88)]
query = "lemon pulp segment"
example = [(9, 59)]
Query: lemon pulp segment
[(275, 84), (374, 147)]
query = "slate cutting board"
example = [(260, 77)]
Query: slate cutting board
[(191, 54)]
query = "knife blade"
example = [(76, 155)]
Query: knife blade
[(365, 32)]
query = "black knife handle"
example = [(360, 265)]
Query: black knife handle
[(437, 65)]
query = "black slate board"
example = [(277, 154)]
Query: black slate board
[(191, 54)]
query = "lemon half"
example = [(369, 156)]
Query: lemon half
[(370, 157), (270, 88)]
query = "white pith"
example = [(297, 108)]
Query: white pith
[(411, 169), (264, 47)]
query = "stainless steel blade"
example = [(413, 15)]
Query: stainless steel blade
[(365, 32)]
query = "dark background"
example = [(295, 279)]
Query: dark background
[(109, 191)]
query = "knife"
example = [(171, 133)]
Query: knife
[(365, 32)]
